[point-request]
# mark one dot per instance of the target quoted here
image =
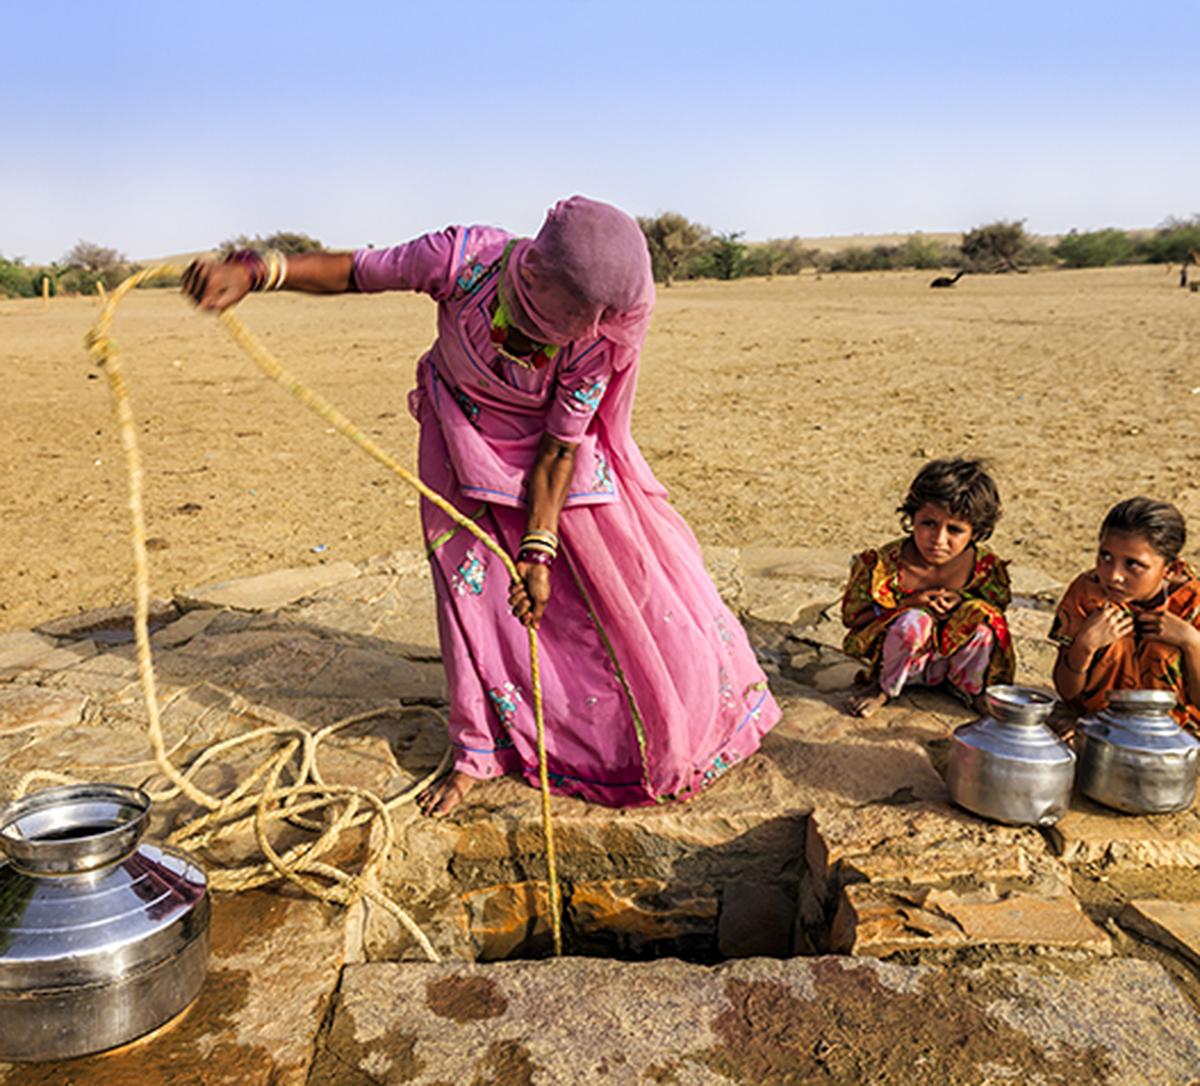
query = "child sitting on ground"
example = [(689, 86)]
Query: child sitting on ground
[(929, 608), (1133, 622)]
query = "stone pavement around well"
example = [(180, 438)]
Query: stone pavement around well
[(837, 839)]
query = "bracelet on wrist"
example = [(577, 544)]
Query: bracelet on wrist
[(253, 263), (536, 558)]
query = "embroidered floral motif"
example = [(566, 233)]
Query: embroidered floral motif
[(725, 690), (590, 397), (721, 764), (724, 633), (469, 407), (603, 477), (505, 700), (470, 575), (471, 276)]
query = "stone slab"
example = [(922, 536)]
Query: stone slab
[(26, 707), (762, 1021), (273, 966), (118, 618), (268, 591), (26, 651), (1174, 924), (1091, 834)]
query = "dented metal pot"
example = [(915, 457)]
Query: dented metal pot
[(1134, 757), (103, 937), (1009, 766)]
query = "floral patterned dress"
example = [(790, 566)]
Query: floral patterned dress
[(1132, 663), (874, 600)]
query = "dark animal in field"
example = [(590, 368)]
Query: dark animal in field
[(1193, 258), (947, 280)]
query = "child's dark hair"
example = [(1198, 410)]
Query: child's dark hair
[(1159, 523), (962, 487)]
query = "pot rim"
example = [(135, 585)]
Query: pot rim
[(117, 814)]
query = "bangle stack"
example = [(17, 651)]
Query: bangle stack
[(538, 546), (268, 271)]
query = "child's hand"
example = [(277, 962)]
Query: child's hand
[(944, 601), (941, 601), (1103, 627), (1168, 628)]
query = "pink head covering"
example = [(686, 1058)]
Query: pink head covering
[(587, 273)]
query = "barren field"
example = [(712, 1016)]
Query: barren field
[(786, 411)]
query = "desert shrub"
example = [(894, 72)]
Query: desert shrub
[(676, 245), (1172, 241), (286, 241), (88, 264), (996, 247), (1095, 248), (858, 258), (722, 257), (16, 280), (918, 251), (779, 256)]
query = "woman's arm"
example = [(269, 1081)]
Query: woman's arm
[(217, 286), (549, 483)]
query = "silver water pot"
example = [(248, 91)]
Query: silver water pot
[(1009, 766), (1134, 757), (102, 937)]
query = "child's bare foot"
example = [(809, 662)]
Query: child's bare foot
[(441, 797), (866, 701)]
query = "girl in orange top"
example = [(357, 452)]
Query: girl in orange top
[(929, 608), (1133, 622)]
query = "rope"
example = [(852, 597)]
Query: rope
[(296, 751)]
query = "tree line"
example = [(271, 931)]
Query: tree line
[(682, 249)]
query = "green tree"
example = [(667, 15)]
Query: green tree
[(728, 256), (672, 239), (996, 247), (1095, 248)]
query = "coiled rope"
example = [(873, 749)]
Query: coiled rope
[(308, 793)]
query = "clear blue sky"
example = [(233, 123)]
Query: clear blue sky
[(165, 127)]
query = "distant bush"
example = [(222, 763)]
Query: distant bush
[(858, 258), (1096, 248), (721, 257), (286, 241), (16, 280), (779, 256), (918, 251), (996, 247), (88, 264), (1172, 241), (674, 241)]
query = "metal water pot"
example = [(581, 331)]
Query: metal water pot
[(1134, 757), (103, 938), (1009, 766)]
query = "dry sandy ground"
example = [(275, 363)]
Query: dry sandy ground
[(788, 411)]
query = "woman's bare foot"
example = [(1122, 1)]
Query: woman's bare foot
[(446, 793), (866, 701)]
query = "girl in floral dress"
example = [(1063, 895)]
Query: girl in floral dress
[(929, 608)]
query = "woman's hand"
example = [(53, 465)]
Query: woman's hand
[(528, 596), (1101, 628), (1168, 628), (216, 286)]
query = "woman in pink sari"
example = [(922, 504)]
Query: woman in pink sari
[(651, 690)]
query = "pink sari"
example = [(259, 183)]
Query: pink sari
[(651, 690)]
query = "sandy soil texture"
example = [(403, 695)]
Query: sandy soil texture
[(786, 411)]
